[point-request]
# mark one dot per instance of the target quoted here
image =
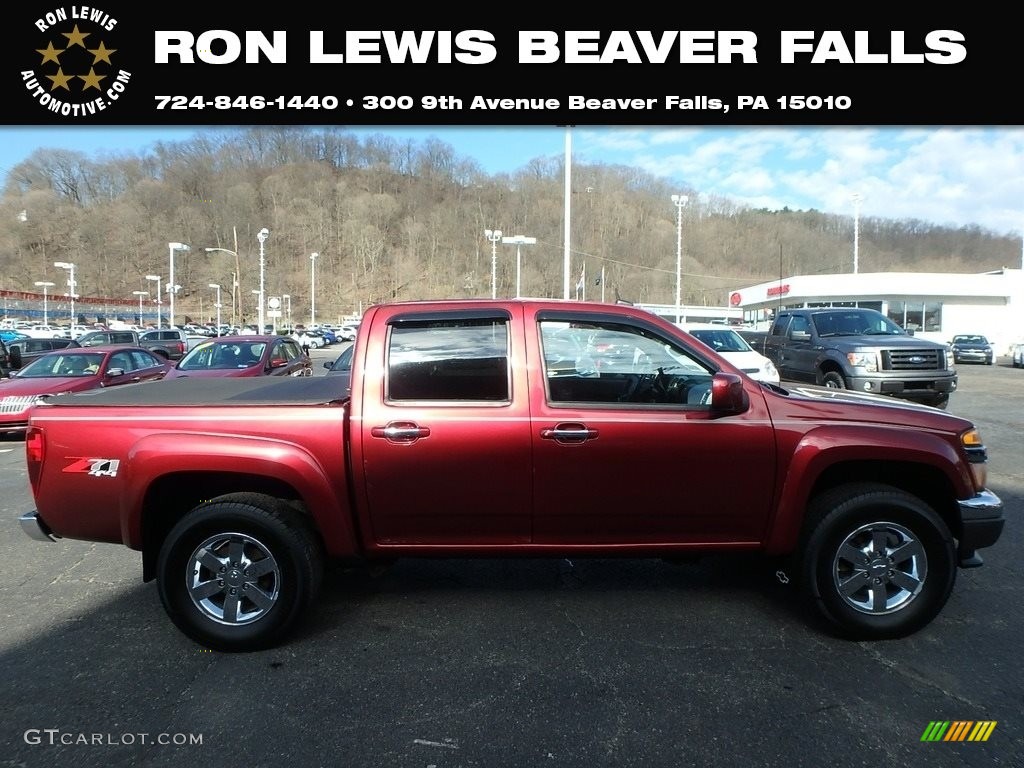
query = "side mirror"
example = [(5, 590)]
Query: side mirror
[(328, 365), (728, 394), (112, 372)]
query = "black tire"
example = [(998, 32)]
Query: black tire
[(941, 401), (886, 597), (833, 380), (240, 608)]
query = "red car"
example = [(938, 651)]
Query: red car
[(73, 370), (244, 356)]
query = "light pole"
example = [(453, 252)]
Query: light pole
[(856, 198), (680, 201), (234, 280), (312, 288), (170, 279), (158, 300), (217, 305), (494, 235), (259, 307), (140, 294), (44, 285), (288, 300), (519, 241), (71, 289), (262, 236)]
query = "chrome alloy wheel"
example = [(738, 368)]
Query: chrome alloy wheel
[(233, 579), (880, 568)]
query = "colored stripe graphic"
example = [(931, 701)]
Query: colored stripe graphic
[(935, 730), (959, 730)]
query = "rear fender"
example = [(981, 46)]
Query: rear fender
[(157, 456)]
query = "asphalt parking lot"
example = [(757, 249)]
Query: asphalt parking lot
[(519, 663)]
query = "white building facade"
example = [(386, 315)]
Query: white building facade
[(935, 306)]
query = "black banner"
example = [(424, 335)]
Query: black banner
[(207, 64)]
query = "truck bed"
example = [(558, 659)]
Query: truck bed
[(306, 390)]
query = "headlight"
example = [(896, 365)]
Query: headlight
[(769, 368), (950, 360), (866, 360)]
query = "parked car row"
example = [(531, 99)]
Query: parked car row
[(80, 367)]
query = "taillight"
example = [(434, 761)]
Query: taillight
[(181, 347), (35, 452)]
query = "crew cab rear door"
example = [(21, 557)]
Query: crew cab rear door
[(627, 447), (443, 444)]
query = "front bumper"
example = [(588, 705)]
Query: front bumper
[(908, 386), (35, 528), (981, 523)]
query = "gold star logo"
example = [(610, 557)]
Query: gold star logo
[(75, 37), (60, 80), (92, 80), (102, 53), (50, 53)]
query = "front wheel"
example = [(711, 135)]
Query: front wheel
[(833, 380), (236, 573), (877, 562)]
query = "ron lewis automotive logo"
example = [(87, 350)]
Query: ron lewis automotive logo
[(74, 56)]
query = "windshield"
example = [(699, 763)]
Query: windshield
[(853, 323), (70, 364), (222, 356), (722, 340)]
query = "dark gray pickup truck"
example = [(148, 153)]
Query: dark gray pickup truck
[(857, 349)]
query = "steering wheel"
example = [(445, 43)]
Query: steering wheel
[(665, 388)]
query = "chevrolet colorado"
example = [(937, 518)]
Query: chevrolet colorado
[(511, 428)]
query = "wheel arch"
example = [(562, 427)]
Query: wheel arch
[(175, 473), (922, 465)]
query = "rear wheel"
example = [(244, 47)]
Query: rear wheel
[(235, 574), (877, 562)]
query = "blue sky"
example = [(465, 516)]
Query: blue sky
[(946, 176)]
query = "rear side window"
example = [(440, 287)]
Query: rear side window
[(449, 359)]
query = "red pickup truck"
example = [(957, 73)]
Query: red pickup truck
[(506, 428)]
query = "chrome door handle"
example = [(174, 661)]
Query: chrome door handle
[(401, 432), (569, 433)]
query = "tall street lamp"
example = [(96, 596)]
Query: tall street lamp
[(217, 305), (44, 285), (262, 236), (234, 280), (312, 288), (494, 235), (173, 289), (519, 241), (140, 294), (71, 289), (856, 198), (288, 301), (680, 201), (158, 300)]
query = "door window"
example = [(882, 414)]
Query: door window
[(448, 359), (617, 363)]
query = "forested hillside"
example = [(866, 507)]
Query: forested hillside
[(404, 220)]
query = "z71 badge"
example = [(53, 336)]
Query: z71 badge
[(94, 467)]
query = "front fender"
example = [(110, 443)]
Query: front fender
[(157, 456), (832, 446)]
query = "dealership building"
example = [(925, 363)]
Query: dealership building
[(934, 306)]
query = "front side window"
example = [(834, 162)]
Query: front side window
[(617, 363), (448, 359)]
